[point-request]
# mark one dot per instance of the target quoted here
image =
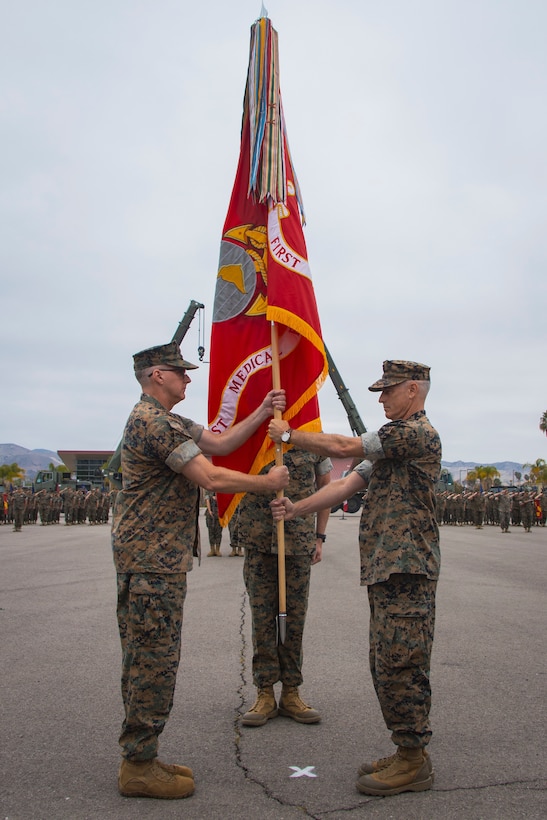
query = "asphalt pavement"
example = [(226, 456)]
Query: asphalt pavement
[(61, 711)]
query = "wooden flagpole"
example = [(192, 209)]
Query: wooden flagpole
[(281, 580)]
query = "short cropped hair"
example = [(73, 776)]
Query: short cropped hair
[(142, 374)]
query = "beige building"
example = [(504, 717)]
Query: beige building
[(85, 465)]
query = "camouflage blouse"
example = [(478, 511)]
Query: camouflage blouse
[(398, 531), (155, 522), (258, 530)]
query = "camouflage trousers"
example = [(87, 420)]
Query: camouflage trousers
[(17, 519), (150, 620), (274, 662), (402, 621), (214, 529)]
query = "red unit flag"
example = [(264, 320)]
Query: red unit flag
[(263, 277)]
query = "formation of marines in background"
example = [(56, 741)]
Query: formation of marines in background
[(503, 508), (23, 506), (498, 508)]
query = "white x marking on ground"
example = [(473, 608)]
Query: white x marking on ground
[(307, 771)]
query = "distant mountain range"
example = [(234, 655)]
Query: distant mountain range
[(33, 460), (506, 469)]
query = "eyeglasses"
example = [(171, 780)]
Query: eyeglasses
[(180, 370)]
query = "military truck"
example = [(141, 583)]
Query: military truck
[(55, 480)]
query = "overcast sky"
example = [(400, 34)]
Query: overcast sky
[(418, 133)]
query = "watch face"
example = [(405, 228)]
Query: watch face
[(285, 436)]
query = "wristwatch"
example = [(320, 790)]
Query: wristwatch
[(321, 535), (286, 436)]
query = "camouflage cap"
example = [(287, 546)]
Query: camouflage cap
[(168, 354), (397, 371)]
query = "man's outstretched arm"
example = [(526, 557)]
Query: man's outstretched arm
[(333, 493), (324, 444), (221, 444)]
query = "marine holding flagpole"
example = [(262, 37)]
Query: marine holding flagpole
[(265, 332), (400, 561), (278, 559), (155, 535)]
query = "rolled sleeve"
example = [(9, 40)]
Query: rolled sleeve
[(372, 446), (324, 467), (364, 470), (182, 455)]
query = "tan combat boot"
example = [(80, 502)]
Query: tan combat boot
[(148, 778), (291, 705), (211, 553), (384, 762), (408, 772), (263, 709), (174, 768)]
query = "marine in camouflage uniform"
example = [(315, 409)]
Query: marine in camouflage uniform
[(478, 506), (214, 527), (43, 501), (100, 506), (92, 506), (236, 550), (31, 512), (67, 495), (441, 506), (19, 501), (449, 510), (515, 509), (504, 506), (112, 500), (56, 509), (154, 538), (80, 506), (274, 661), (491, 513), (400, 562), (458, 506), (527, 511)]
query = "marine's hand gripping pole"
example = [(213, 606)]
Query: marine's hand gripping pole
[(281, 582)]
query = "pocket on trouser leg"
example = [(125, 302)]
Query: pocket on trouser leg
[(406, 637)]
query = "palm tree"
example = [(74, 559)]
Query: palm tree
[(10, 472), (471, 477), (543, 423), (60, 468), (538, 471), (486, 475)]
